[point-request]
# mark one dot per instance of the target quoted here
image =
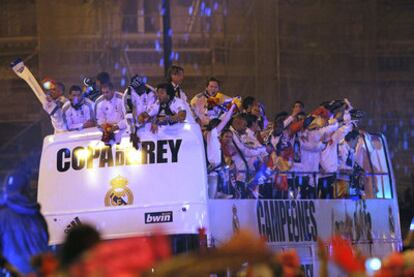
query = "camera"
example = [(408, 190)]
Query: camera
[(89, 86), (48, 84)]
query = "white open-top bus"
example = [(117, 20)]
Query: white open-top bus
[(163, 186)]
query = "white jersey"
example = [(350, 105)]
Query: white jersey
[(346, 159), (311, 146), (329, 156), (246, 153), (56, 115), (213, 145), (75, 118), (179, 93), (110, 111), (175, 106), (213, 148), (140, 103), (251, 140)]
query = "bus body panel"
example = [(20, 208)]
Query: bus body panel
[(372, 225), (123, 191)]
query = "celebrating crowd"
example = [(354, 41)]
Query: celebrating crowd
[(298, 154)]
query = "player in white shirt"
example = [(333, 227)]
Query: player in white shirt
[(109, 108), (280, 136), (329, 163), (110, 114), (311, 144), (214, 152), (166, 110), (243, 153), (176, 78), (78, 112), (55, 98), (138, 98), (346, 161)]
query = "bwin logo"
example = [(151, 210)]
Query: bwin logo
[(76, 221), (159, 217)]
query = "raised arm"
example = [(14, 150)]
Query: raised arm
[(225, 119)]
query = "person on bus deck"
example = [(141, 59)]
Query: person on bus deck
[(253, 135), (166, 110), (109, 108), (55, 96), (138, 98), (243, 152), (251, 106), (229, 151), (254, 139), (101, 78), (298, 107), (369, 160), (248, 103), (175, 76), (295, 116), (346, 160), (281, 142), (309, 143), (78, 112), (215, 162), (329, 163), (281, 123), (205, 105)]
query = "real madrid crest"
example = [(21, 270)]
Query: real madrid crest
[(119, 194)]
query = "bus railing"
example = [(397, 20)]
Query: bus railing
[(375, 172), (371, 181)]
